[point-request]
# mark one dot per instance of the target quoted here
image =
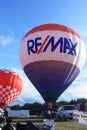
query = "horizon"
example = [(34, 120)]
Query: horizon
[(18, 17)]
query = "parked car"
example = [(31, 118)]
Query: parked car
[(65, 112)]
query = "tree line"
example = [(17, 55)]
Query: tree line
[(38, 107)]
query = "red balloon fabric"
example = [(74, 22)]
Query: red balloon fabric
[(10, 86)]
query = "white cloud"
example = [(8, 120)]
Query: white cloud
[(5, 40)]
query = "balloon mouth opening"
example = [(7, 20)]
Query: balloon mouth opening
[(49, 104)]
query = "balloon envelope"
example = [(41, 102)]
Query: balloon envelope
[(10, 86), (51, 56)]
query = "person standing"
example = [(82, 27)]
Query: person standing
[(1, 116), (8, 125)]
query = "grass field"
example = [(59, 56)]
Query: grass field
[(67, 125)]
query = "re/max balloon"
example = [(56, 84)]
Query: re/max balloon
[(51, 56), (10, 86)]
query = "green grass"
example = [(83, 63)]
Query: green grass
[(67, 125)]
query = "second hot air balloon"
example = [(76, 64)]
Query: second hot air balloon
[(51, 56), (10, 86)]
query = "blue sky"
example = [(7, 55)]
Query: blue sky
[(18, 17)]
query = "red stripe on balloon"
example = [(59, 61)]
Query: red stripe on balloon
[(41, 47), (52, 27)]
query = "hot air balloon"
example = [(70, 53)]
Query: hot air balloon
[(10, 86), (51, 56)]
